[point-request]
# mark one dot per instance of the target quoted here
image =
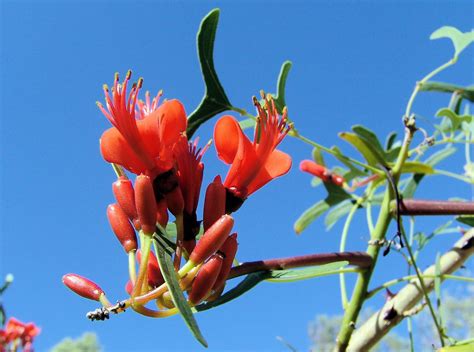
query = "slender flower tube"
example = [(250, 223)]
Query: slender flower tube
[(146, 204), (143, 143), (214, 202), (228, 249), (155, 277), (205, 279), (321, 172), (125, 196), (83, 287), (253, 164), (212, 240), (121, 227)]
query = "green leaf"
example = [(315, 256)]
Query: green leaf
[(215, 99), (370, 138), (434, 159), (335, 196), (171, 279), (316, 181), (336, 213), (465, 92), (466, 219), (368, 152), (460, 40), (291, 275), (318, 156), (245, 285), (343, 159), (279, 98), (469, 347), (456, 120), (247, 123), (391, 138), (416, 167), (392, 154)]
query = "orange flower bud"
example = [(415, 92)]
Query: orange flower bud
[(155, 277), (82, 286), (205, 279), (212, 239), (122, 228), (322, 172), (229, 249), (146, 204), (214, 203), (125, 196)]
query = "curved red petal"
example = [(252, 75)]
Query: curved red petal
[(115, 149), (277, 164), (172, 121), (227, 134)]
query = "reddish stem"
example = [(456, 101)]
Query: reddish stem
[(419, 207)]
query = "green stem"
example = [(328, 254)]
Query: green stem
[(132, 271), (453, 175), (424, 80), (119, 171), (342, 248), (142, 271), (371, 293), (410, 334), (332, 272), (242, 112)]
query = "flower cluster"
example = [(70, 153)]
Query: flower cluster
[(16, 334), (149, 139)]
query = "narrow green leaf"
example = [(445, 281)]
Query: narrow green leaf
[(465, 92), (341, 157), (460, 40), (336, 213), (370, 154), (391, 138), (316, 181), (335, 196), (392, 154), (215, 99), (414, 181), (279, 98), (370, 138), (416, 167), (466, 219), (179, 300), (318, 156), (291, 275), (245, 285)]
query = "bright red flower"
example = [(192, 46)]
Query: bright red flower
[(253, 164), (141, 141), (16, 329)]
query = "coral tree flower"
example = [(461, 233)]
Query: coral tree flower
[(144, 133), (253, 164), (15, 329)]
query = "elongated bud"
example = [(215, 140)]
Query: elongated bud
[(122, 228), (83, 287), (125, 196), (322, 172), (155, 277), (212, 239), (229, 249), (175, 201), (146, 204), (162, 215), (205, 279), (214, 203)]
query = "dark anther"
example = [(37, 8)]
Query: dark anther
[(233, 201), (165, 183), (390, 314), (191, 226)]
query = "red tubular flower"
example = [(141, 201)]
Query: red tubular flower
[(322, 172), (121, 227), (190, 172), (155, 277), (125, 196), (82, 286), (16, 329), (143, 145), (146, 204), (228, 249), (214, 202), (253, 164), (212, 239), (205, 279)]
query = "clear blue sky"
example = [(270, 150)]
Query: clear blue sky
[(352, 63)]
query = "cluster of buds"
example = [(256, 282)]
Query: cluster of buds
[(150, 140), (18, 335)]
